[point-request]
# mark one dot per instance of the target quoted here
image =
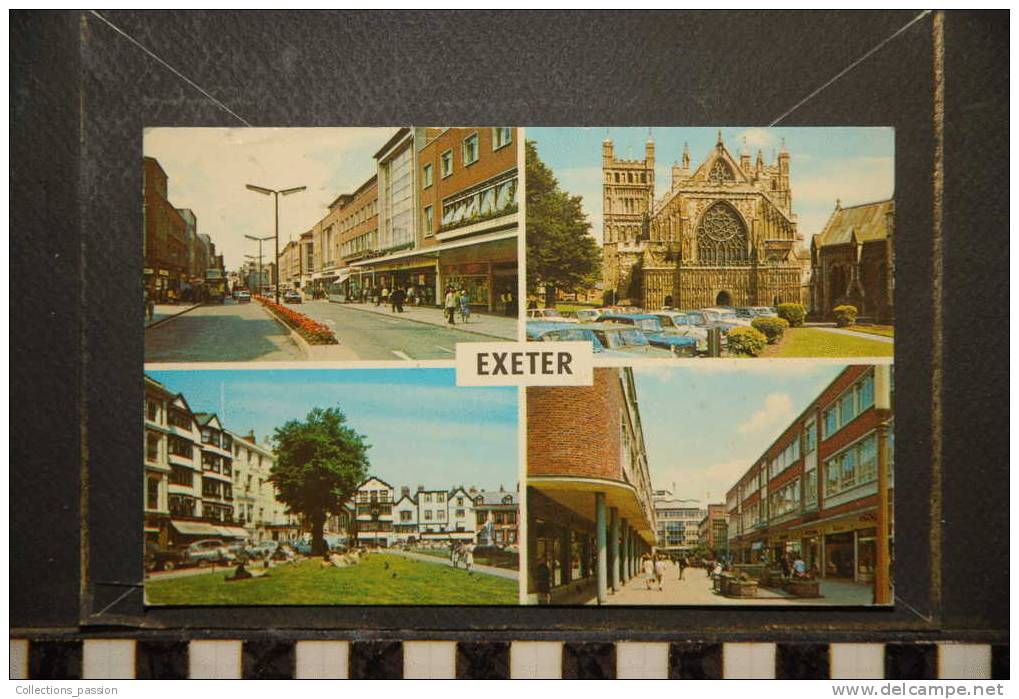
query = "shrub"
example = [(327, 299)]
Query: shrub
[(773, 328), (794, 313), (844, 315), (746, 341)]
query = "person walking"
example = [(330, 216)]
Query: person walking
[(465, 306), (682, 566), (543, 582), (659, 570), (150, 305), (648, 567), (450, 305)]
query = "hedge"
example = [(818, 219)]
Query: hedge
[(773, 328), (794, 313), (746, 341), (844, 315)]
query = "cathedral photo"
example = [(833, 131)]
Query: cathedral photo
[(694, 218)]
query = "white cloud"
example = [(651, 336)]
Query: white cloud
[(710, 484), (777, 411)]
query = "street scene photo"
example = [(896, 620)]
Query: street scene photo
[(702, 242), (328, 244), (329, 487), (713, 484)]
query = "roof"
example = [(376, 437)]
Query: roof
[(867, 222), (400, 133), (495, 497)]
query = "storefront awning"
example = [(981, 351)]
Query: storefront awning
[(195, 528), (344, 275), (233, 532), (434, 250)]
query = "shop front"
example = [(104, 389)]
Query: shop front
[(413, 271), (843, 547), (488, 270)]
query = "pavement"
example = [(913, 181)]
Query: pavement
[(228, 332), (851, 333), (425, 558), (162, 311), (491, 325), (695, 589)]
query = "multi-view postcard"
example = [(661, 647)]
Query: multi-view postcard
[(308, 440)]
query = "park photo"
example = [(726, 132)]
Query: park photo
[(328, 244), (704, 242), (722, 483), (329, 487)]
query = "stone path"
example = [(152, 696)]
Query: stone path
[(854, 333)]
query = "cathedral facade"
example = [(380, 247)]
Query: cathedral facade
[(723, 234)]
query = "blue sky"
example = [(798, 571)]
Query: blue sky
[(421, 427), (854, 164), (207, 169), (705, 425)]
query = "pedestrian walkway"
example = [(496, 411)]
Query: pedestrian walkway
[(695, 589), (162, 311), (444, 560), (852, 333), (506, 327)]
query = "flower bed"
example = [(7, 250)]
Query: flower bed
[(314, 332)]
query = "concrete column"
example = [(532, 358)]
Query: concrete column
[(626, 549), (614, 550), (599, 527)]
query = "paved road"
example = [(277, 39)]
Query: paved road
[(231, 332), (379, 337), (425, 558)]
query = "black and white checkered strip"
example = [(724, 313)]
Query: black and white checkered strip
[(229, 659)]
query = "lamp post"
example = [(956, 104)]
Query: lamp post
[(275, 193), (260, 241)]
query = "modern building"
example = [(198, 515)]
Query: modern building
[(165, 236), (814, 492), (291, 265), (723, 234), (713, 530), (358, 239), (853, 261), (589, 497), (678, 521)]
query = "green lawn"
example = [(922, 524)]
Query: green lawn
[(378, 579), (814, 342)]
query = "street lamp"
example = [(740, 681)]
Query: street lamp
[(260, 241), (275, 193)]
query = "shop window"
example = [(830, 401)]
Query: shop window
[(470, 149)]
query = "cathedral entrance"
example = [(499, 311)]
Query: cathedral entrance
[(724, 298)]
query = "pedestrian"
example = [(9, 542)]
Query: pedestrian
[(532, 303), (543, 582), (465, 306), (787, 564), (450, 305), (648, 567), (507, 299), (468, 556), (659, 570), (682, 566)]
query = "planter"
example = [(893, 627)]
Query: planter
[(741, 588), (803, 588)]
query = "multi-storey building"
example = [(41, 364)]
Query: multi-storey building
[(358, 239), (853, 261), (194, 274), (589, 496), (497, 514), (723, 234), (374, 513), (713, 530), (405, 517), (165, 235), (678, 522), (256, 505), (814, 492), (291, 265)]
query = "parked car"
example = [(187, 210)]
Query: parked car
[(242, 296), (549, 331), (616, 337), (677, 323), (205, 551), (159, 558), (651, 326), (263, 549), (548, 314), (706, 320), (766, 311), (292, 296), (727, 316), (583, 315)]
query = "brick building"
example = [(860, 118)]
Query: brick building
[(713, 530), (589, 497), (358, 237), (814, 493), (165, 237), (853, 261)]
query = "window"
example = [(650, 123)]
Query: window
[(501, 136), (152, 446), (428, 221), (440, 514), (179, 447), (460, 500), (470, 149), (178, 418), (852, 467), (460, 514), (786, 499), (810, 489), (856, 399), (181, 475), (446, 164), (428, 515), (181, 506), (426, 176), (152, 410), (152, 494), (405, 516), (810, 439)]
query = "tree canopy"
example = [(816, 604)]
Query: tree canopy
[(561, 254), (320, 462)]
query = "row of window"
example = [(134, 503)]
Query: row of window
[(470, 152), (212, 488), (360, 243), (643, 177), (461, 210), (853, 401), (365, 212)]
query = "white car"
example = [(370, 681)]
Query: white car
[(549, 314), (726, 315), (676, 323)]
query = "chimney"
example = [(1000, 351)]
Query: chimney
[(421, 488), (405, 491)]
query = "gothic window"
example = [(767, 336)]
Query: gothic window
[(721, 172), (721, 236)]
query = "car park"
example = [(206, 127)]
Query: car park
[(261, 550), (651, 326), (548, 331), (549, 314), (628, 339), (727, 316)]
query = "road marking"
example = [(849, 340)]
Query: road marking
[(445, 349), (400, 354)]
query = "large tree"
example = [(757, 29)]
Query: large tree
[(320, 461), (561, 254)]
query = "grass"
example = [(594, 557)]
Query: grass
[(882, 330), (377, 579), (814, 342)]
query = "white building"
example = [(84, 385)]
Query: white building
[(433, 514), (256, 506), (405, 518), (461, 521), (374, 500), (678, 522)]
